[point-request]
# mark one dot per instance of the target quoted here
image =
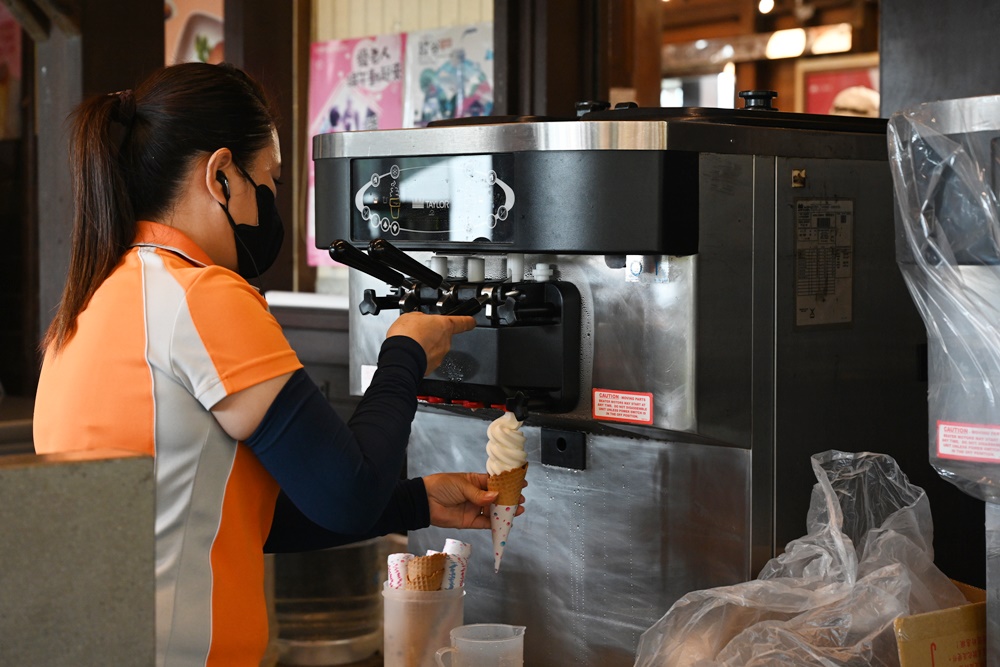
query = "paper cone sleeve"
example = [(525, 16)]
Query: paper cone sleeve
[(425, 573), (501, 521), (508, 484)]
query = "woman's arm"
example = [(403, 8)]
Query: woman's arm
[(241, 413), (292, 530), (446, 500), (340, 476)]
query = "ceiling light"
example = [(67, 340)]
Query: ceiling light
[(786, 44), (765, 6), (831, 39)]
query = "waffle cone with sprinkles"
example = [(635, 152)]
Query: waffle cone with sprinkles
[(508, 485)]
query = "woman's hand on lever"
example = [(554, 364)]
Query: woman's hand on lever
[(460, 500), (432, 332)]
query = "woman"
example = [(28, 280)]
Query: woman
[(161, 346)]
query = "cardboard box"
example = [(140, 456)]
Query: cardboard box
[(955, 637)]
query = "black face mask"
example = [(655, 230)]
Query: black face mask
[(257, 247)]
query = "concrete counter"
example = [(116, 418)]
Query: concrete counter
[(77, 560)]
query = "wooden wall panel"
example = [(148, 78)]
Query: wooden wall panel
[(392, 16), (344, 19), (410, 16), (430, 14), (356, 20), (448, 12), (374, 13)]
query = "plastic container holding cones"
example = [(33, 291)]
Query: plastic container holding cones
[(418, 623)]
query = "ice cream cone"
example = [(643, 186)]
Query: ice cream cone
[(508, 484), (425, 573)]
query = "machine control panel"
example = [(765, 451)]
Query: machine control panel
[(459, 199)]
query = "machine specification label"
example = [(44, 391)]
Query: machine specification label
[(623, 406), (968, 442), (824, 261)]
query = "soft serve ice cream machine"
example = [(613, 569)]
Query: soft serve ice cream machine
[(685, 303)]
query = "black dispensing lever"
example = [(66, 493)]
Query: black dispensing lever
[(389, 254), (373, 305), (343, 252), (469, 306)]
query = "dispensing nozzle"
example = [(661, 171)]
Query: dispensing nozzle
[(518, 404)]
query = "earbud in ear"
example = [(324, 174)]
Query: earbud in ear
[(224, 182)]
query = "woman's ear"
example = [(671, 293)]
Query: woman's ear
[(216, 175)]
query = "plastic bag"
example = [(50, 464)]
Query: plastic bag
[(831, 598), (945, 160)]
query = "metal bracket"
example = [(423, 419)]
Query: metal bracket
[(566, 449)]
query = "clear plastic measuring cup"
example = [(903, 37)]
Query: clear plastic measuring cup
[(484, 645)]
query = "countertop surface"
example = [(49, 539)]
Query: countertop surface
[(16, 407), (373, 661)]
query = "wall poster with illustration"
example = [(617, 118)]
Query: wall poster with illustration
[(449, 74), (840, 85)]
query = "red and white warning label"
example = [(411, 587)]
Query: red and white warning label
[(623, 406), (968, 442)]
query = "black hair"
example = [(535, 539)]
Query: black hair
[(130, 152)]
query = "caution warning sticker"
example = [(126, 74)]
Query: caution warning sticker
[(623, 406), (968, 442)]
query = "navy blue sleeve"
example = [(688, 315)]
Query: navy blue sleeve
[(293, 531), (342, 476)]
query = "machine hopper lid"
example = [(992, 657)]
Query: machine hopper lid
[(770, 118)]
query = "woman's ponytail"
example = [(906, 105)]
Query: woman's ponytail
[(103, 221)]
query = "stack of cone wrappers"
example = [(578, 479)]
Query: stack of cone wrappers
[(436, 571), (508, 487)]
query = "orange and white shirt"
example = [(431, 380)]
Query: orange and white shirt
[(164, 338)]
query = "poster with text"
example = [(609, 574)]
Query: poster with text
[(354, 84), (449, 74)]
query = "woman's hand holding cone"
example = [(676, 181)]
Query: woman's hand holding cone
[(461, 500)]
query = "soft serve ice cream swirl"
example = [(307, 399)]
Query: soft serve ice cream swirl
[(505, 448)]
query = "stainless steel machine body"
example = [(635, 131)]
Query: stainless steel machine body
[(736, 279)]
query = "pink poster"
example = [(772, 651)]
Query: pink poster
[(354, 84)]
